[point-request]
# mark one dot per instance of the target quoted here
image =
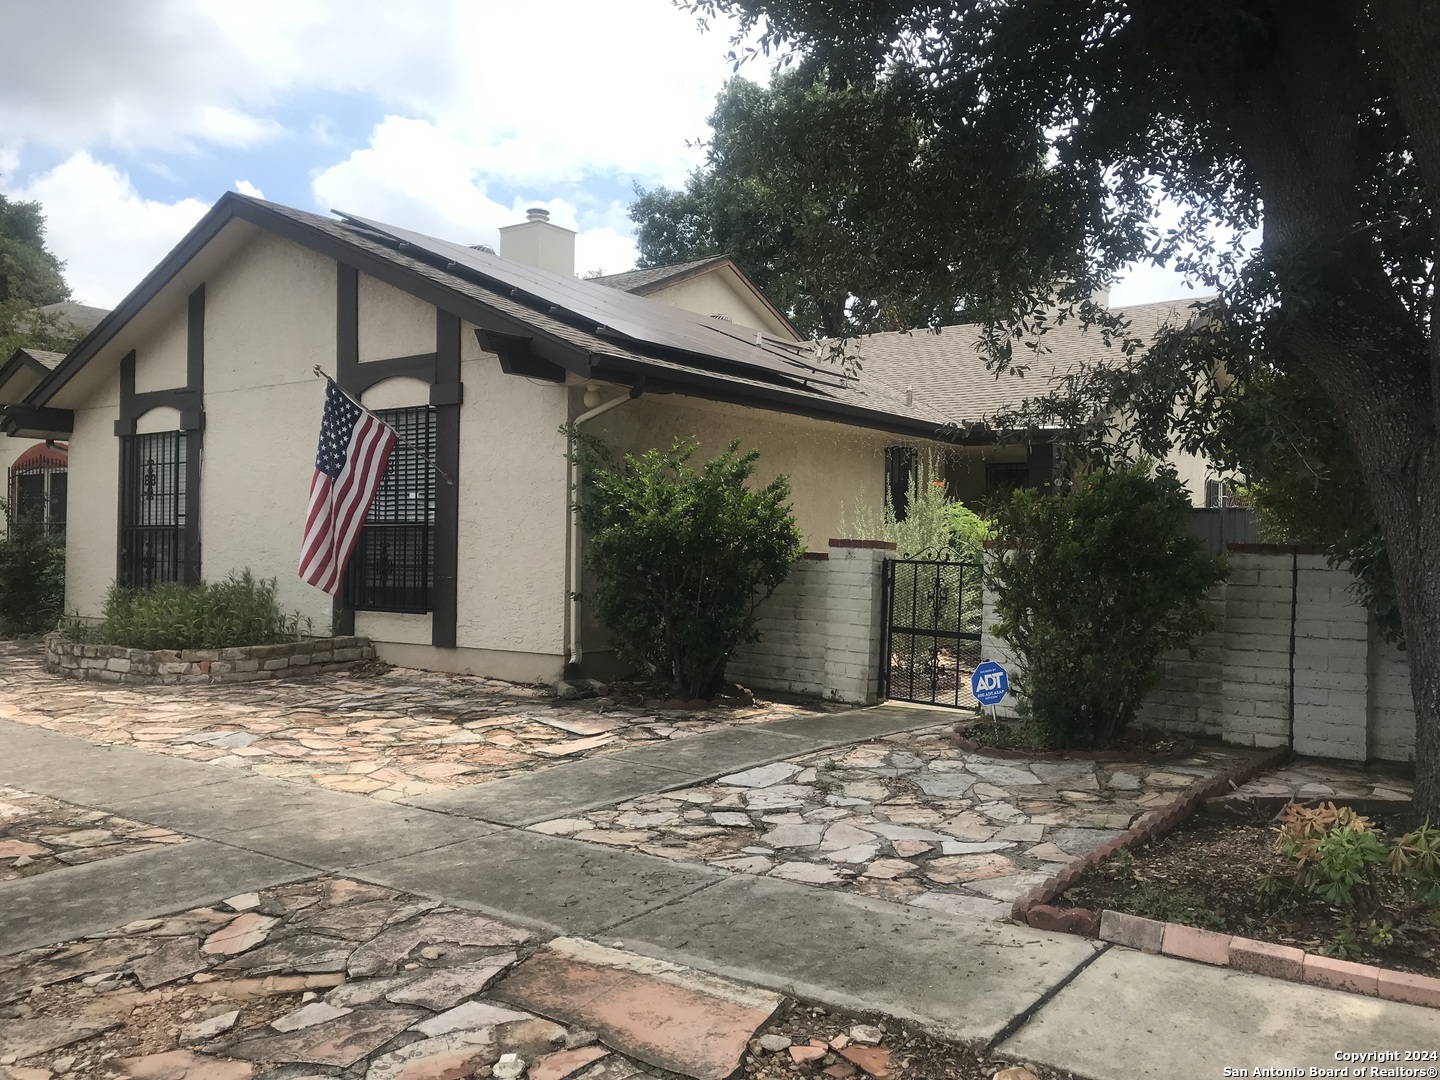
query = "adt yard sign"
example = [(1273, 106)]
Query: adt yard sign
[(989, 684)]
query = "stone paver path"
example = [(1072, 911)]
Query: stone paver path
[(396, 735), (907, 818), (1305, 780), (39, 834), (334, 974)]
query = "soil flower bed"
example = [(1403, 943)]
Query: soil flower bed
[(1213, 872)]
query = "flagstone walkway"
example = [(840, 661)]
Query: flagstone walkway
[(1306, 779), (1014, 989), (395, 735), (40, 834), (908, 818)]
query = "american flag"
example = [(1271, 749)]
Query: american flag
[(354, 449)]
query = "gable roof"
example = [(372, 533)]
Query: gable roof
[(653, 279), (946, 370), (539, 318), (650, 278), (23, 370)]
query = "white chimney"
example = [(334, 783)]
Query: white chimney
[(536, 242)]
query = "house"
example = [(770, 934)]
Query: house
[(191, 412), (33, 472)]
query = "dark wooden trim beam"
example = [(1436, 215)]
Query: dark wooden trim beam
[(516, 357), (446, 388), (347, 363), (37, 422), (369, 372), (192, 422)]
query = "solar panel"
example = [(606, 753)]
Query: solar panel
[(635, 318)]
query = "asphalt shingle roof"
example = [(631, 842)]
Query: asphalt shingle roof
[(652, 276), (946, 371)]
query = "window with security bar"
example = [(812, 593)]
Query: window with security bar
[(152, 509), (393, 567)]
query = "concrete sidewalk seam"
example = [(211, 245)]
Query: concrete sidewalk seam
[(1022, 1018)]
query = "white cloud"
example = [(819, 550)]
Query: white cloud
[(109, 235), (245, 187)]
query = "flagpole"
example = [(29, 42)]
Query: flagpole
[(400, 438)]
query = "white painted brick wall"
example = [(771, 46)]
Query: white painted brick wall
[(820, 631)]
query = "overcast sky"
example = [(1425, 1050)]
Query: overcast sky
[(128, 120)]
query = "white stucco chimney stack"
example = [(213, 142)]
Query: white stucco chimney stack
[(538, 242)]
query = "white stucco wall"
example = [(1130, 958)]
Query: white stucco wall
[(829, 464), (269, 316), (92, 507), (160, 365), (720, 293), (513, 508), (392, 322)]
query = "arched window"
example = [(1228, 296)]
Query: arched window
[(36, 487)]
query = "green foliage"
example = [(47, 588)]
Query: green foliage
[(32, 577), (681, 559), (238, 611), (1091, 589), (788, 189), (935, 526), (28, 270), (1166, 903), (1415, 858), (1344, 869)]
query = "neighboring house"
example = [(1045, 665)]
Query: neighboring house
[(715, 286), (191, 413), (32, 472)]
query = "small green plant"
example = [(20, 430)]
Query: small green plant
[(1415, 859), (1336, 851), (1344, 946), (1153, 901), (32, 577), (1091, 589), (241, 610), (681, 558)]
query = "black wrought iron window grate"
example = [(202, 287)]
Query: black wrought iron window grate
[(393, 567), (37, 498), (152, 509)]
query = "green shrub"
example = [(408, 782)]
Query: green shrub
[(219, 615), (32, 578), (1091, 589), (681, 559), (935, 526), (1415, 859)]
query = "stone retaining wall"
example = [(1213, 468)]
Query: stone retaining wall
[(117, 664)]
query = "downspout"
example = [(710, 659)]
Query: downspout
[(572, 582)]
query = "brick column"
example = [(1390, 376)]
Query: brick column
[(852, 618), (1332, 647), (1255, 674)]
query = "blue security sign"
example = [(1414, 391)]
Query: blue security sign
[(989, 684)]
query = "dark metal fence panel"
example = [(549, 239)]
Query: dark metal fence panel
[(152, 509), (930, 639), (1222, 525)]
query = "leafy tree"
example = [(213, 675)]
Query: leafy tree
[(1314, 121), (806, 216), (682, 558), (1091, 589), (30, 277)]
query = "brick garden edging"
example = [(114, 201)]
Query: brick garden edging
[(1206, 946), (1035, 904), (1265, 958), (252, 663)]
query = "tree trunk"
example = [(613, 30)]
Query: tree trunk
[(1341, 315)]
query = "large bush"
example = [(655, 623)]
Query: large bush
[(681, 559), (1091, 589), (238, 611), (32, 578)]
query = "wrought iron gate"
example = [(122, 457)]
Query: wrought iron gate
[(930, 639)]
